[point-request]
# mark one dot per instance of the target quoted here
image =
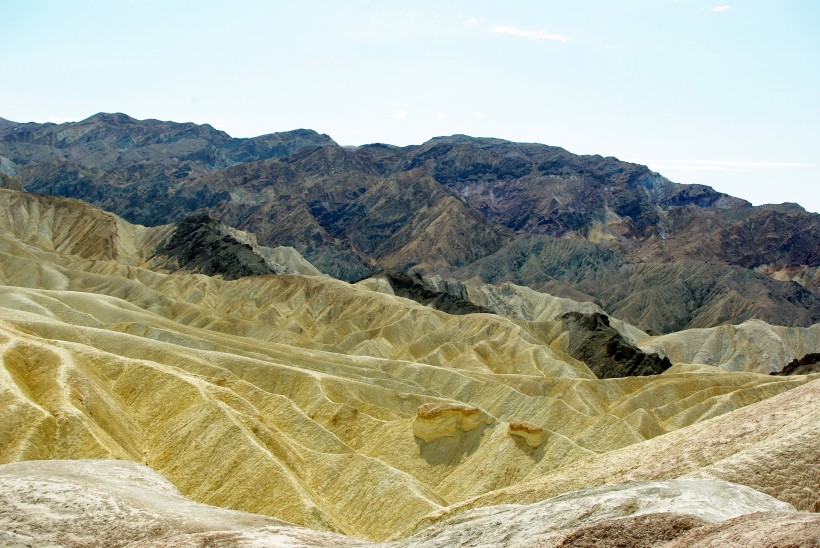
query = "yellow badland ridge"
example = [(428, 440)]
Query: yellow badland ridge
[(299, 397)]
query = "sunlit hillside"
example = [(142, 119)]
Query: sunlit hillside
[(343, 408)]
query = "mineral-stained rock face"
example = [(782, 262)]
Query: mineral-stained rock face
[(684, 531), (437, 420), (643, 531), (533, 435), (770, 446), (757, 529)]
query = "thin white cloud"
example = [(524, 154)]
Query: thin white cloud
[(471, 22), (479, 115), (538, 34), (439, 115), (398, 114), (721, 165), (718, 9)]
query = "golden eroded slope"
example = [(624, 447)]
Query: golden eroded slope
[(771, 446), (297, 396), (753, 345)]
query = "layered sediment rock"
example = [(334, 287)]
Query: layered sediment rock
[(657, 254), (753, 345), (770, 446), (533, 435), (439, 420)]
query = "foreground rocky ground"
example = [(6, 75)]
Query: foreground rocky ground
[(119, 503)]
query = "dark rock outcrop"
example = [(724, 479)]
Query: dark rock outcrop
[(604, 350), (810, 363), (9, 182), (200, 244), (453, 299)]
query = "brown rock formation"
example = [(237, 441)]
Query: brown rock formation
[(810, 363), (645, 531), (439, 420), (533, 435)]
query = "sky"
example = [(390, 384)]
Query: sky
[(723, 94)]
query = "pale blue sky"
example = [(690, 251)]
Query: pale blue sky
[(723, 93)]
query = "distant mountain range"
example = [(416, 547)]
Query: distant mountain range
[(660, 255)]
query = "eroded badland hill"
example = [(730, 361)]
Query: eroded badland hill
[(198, 381)]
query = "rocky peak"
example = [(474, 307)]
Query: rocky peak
[(447, 296), (591, 339), (202, 244), (6, 124), (273, 145), (109, 118)]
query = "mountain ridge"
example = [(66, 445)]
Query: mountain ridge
[(442, 207)]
